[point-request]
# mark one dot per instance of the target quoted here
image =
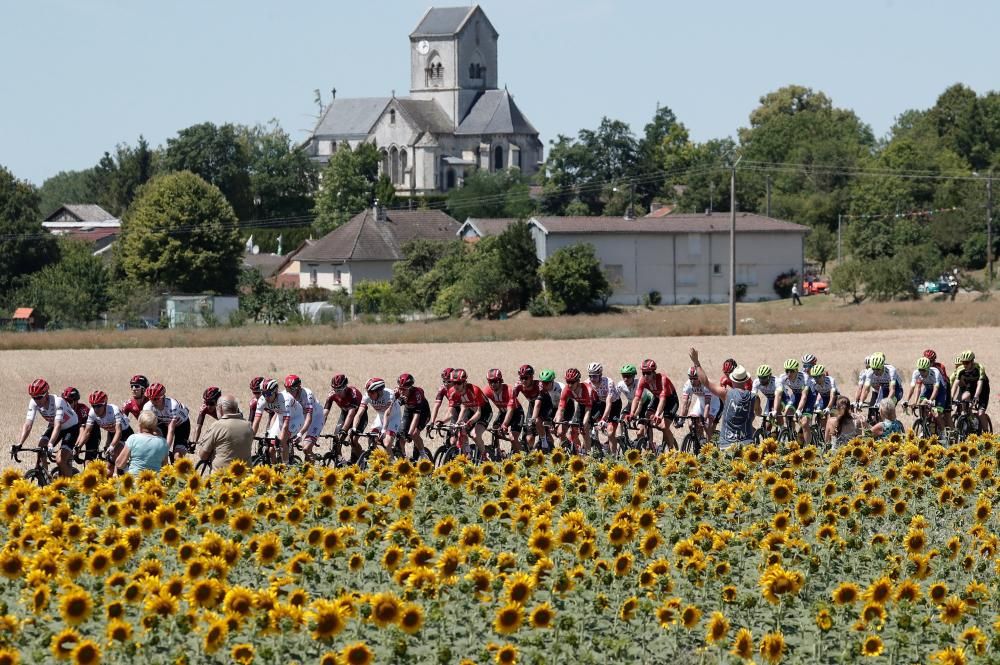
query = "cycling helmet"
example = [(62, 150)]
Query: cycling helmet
[(791, 365), (808, 359), (764, 372), (269, 387), (405, 380), (958, 360), (868, 362), (595, 368), (458, 375), (446, 374), (817, 371), (494, 376), (211, 394), (38, 387), (155, 391), (967, 357), (547, 375), (628, 369), (728, 365), (692, 372), (139, 380), (648, 365), (572, 375), (525, 371), (98, 398), (292, 382), (255, 383), (374, 385), (877, 361), (930, 354), (923, 363), (71, 394), (338, 382)]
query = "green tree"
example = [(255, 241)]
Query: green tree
[(821, 246), (377, 297), (262, 301), (116, 179), (182, 233), (24, 245), (385, 191), (848, 280), (219, 155), (486, 287), (504, 193), (419, 258), (516, 251), (65, 187), (72, 291), (348, 186), (574, 277), (282, 177)]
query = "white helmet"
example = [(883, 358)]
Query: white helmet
[(595, 368)]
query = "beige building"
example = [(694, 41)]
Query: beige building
[(683, 257)]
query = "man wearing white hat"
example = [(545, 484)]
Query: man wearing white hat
[(739, 404)]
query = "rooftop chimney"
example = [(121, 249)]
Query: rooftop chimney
[(708, 212), (378, 212)]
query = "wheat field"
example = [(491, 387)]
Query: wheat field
[(186, 372)]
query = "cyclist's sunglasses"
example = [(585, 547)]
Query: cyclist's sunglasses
[(272, 393), (647, 374), (38, 397), (136, 385)]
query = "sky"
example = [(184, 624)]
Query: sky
[(81, 76)]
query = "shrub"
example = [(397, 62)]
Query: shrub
[(545, 305), (783, 283)]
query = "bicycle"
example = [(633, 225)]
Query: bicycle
[(374, 439), (967, 421), (268, 452), (333, 456), (786, 427), (493, 450), (456, 443), (572, 444), (766, 429), (693, 440), (924, 425), (40, 474)]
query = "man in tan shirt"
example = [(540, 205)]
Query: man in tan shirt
[(229, 439)]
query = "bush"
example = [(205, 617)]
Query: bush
[(653, 298), (783, 283), (377, 297), (741, 292), (545, 305), (574, 277)]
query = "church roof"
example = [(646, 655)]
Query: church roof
[(364, 238), (348, 118), (427, 115), (442, 21), (495, 113)]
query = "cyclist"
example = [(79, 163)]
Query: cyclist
[(107, 417), (209, 402), (576, 402), (607, 407), (973, 385), (808, 361), (667, 401), (931, 355), (531, 388), (469, 407), (728, 365), (254, 395), (499, 394), (312, 416), (552, 391), (442, 394), (171, 417), (628, 388), (72, 397), (283, 414), (881, 381), (763, 387), (930, 388), (64, 426), (788, 389), (387, 413), (416, 413), (348, 398), (861, 381), (697, 399), (820, 393), (137, 384)]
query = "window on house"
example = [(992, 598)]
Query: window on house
[(615, 274), (694, 244), (498, 158), (313, 275), (402, 165), (717, 269), (392, 116), (394, 166), (337, 276), (450, 179), (746, 273), (686, 275)]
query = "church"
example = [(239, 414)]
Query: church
[(455, 119)]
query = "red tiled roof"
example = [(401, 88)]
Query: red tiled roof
[(714, 223), (91, 236), (662, 211), (23, 313)]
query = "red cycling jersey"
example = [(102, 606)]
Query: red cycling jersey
[(658, 384), (471, 398), (347, 400), (253, 406), (442, 393), (579, 392), (532, 391), (501, 396), (134, 406), (82, 412), (209, 410), (725, 381), (413, 399)]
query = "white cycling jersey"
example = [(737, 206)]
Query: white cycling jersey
[(883, 378), (603, 388), (555, 394), (792, 385), (627, 393), (825, 385), (307, 400), (54, 409), (933, 376), (765, 388), (172, 410), (702, 401), (387, 411), (283, 408), (112, 414)]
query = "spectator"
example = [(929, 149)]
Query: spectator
[(230, 438), (889, 424), (843, 426), (796, 300), (145, 450), (739, 404)]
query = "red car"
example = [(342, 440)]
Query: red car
[(814, 287)]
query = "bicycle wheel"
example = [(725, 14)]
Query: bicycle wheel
[(758, 435), (38, 476), (260, 459), (922, 428), (785, 435), (689, 443), (204, 467), (962, 427)]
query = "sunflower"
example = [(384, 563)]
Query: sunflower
[(873, 612), (915, 541), (86, 652), (742, 646), (238, 600), (718, 628), (650, 543), (411, 618), (776, 581), (100, 561), (508, 619), (119, 631), (472, 535), (385, 609), (161, 604), (444, 527), (64, 642), (622, 564), (75, 606), (329, 619), (937, 592), (329, 658), (205, 593), (908, 591), (355, 563), (449, 561), (952, 610), (268, 549), (846, 593), (11, 564), (879, 591), (628, 608), (356, 654), (9, 657), (519, 587), (242, 522), (242, 653), (541, 542), (542, 616), (332, 542), (782, 491), (824, 621), (949, 656), (975, 638), (872, 646), (772, 647), (690, 616), (506, 655)]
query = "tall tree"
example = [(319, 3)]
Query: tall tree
[(220, 156), (574, 277), (348, 186), (516, 249), (181, 233), (116, 179), (24, 245), (65, 187), (282, 177), (504, 193), (72, 291)]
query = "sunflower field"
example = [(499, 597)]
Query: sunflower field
[(883, 551)]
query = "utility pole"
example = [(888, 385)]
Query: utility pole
[(989, 229), (768, 194), (839, 218), (732, 247)]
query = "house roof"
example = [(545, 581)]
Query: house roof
[(267, 264), (495, 112), (84, 212), (364, 238), (713, 223), (662, 211), (442, 21), (487, 226), (427, 115), (23, 313), (346, 119)]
